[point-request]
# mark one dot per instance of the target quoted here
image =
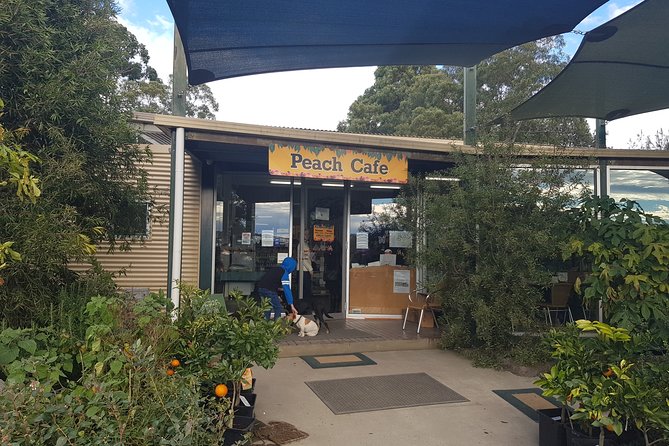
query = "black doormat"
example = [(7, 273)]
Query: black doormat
[(370, 393), (528, 401), (339, 360)]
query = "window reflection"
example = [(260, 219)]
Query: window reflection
[(252, 230), (650, 188)]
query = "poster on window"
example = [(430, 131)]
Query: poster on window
[(400, 239), (324, 233), (401, 281), (361, 240), (267, 237), (246, 238)]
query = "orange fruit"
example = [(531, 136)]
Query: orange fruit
[(221, 390), (608, 373), (609, 427), (170, 372), (175, 363)]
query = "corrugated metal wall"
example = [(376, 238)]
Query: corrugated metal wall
[(145, 265)]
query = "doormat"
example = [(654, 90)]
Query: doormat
[(340, 360), (528, 401), (370, 393), (276, 433)]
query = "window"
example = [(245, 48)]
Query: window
[(132, 220)]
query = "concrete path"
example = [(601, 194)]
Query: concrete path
[(485, 420)]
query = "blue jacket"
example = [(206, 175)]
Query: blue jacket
[(289, 264)]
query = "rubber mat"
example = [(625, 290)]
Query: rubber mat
[(370, 393)]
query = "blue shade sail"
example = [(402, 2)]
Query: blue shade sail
[(229, 38), (621, 69)]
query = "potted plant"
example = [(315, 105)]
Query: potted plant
[(221, 346), (611, 389)]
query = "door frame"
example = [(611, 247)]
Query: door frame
[(306, 185)]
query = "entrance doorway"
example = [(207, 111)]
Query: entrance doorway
[(319, 232), (260, 219)]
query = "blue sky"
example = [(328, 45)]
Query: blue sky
[(319, 99)]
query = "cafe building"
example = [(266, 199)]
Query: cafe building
[(243, 197)]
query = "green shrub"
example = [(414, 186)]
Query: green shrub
[(111, 385)]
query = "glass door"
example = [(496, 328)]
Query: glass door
[(318, 247)]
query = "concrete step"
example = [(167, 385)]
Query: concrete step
[(305, 348)]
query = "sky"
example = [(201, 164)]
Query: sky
[(320, 99)]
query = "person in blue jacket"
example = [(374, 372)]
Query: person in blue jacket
[(278, 277)]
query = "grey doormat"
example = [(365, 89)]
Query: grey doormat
[(369, 393)]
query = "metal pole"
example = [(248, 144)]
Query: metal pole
[(179, 77), (470, 106), (176, 215), (600, 131)]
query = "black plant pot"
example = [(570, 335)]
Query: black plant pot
[(243, 410), (551, 427), (578, 438), (240, 427)]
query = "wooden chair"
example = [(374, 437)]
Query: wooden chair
[(421, 301), (560, 293)]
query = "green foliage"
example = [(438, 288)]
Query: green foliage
[(61, 64), (428, 101), (628, 251), (221, 346), (109, 386), (611, 379), (492, 239), (153, 96)]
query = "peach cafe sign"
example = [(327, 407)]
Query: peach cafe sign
[(337, 164)]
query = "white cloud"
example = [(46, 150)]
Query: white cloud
[(621, 131), (314, 99)]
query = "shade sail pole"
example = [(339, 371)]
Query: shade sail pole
[(469, 136), (600, 133), (179, 86), (179, 77)]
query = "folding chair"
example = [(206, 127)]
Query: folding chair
[(421, 301), (560, 293)]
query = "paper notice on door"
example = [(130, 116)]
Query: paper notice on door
[(400, 239), (280, 257), (361, 240), (246, 238), (322, 214), (401, 281), (267, 237)]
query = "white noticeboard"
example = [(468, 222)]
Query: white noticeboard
[(401, 281), (267, 237), (400, 239), (322, 214), (361, 240)]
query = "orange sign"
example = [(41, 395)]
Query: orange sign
[(324, 233), (324, 162)]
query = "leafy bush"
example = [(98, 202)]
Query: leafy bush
[(613, 380), (628, 251), (117, 384), (492, 240)]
